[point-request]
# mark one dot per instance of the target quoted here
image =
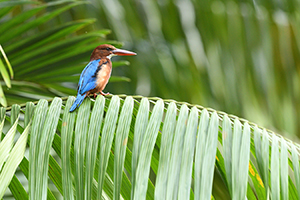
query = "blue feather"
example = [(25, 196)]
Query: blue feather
[(88, 77), (78, 101), (86, 83)]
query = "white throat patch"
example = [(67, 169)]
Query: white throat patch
[(109, 56)]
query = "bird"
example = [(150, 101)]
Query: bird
[(96, 74)]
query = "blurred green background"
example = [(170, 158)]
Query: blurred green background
[(237, 56)]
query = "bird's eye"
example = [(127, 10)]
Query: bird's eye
[(108, 49)]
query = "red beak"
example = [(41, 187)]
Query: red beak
[(121, 52)]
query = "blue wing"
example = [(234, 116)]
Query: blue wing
[(88, 77), (87, 82)]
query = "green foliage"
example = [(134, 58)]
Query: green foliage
[(229, 55), (45, 54), (241, 57), (12, 154), (124, 147), (5, 76)]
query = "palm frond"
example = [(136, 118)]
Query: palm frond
[(46, 57), (5, 75), (11, 154), (141, 148)]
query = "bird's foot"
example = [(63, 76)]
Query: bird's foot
[(104, 94), (95, 95)]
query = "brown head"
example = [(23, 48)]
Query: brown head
[(107, 50)]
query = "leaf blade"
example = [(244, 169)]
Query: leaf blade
[(143, 167), (106, 140), (165, 152), (121, 143), (185, 179)]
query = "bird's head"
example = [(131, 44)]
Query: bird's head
[(106, 50)]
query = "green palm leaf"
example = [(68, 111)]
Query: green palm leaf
[(5, 75), (147, 158), (13, 154), (46, 62)]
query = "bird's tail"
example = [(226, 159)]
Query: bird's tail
[(78, 101)]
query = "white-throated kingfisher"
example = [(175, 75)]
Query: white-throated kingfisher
[(96, 74)]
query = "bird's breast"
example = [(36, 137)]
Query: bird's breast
[(103, 76)]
